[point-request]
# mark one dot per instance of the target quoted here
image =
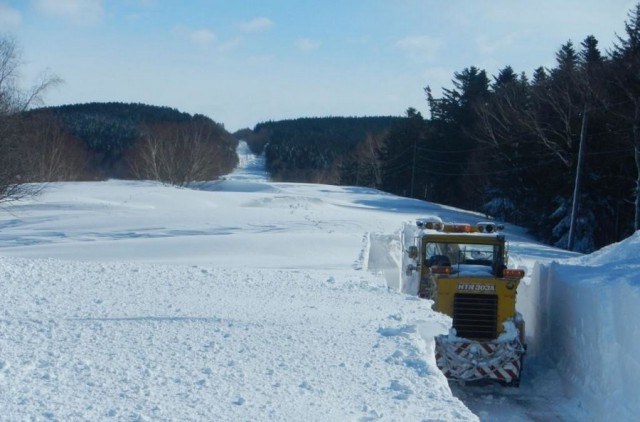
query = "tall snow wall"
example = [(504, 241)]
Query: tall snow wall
[(589, 324)]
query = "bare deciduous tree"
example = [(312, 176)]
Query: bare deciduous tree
[(180, 153), (363, 167), (53, 155), (13, 101)]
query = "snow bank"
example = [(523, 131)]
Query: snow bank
[(95, 341), (589, 323)]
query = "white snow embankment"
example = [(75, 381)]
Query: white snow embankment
[(128, 341), (589, 324), (383, 254)]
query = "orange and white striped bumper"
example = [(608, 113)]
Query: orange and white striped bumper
[(470, 360)]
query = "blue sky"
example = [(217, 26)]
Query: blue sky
[(241, 62)]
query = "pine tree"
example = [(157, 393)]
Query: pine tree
[(450, 148)]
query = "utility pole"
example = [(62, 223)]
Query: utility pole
[(576, 187), (636, 152), (413, 166)]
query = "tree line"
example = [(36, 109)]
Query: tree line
[(315, 149), (139, 141)]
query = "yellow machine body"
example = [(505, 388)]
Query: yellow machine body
[(464, 270)]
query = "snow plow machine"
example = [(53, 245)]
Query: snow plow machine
[(463, 269)]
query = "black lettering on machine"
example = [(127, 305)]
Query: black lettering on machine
[(469, 287)]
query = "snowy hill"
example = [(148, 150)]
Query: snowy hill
[(244, 299)]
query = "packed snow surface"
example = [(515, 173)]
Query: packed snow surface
[(243, 299)]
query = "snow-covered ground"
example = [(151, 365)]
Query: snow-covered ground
[(244, 299)]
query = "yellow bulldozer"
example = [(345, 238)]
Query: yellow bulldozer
[(463, 269)]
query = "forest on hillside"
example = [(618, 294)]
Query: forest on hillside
[(139, 141), (557, 152)]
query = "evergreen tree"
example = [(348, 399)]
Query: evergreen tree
[(451, 147), (400, 155), (507, 147)]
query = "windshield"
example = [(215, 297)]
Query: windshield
[(461, 253)]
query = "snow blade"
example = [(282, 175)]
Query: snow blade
[(469, 360)]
